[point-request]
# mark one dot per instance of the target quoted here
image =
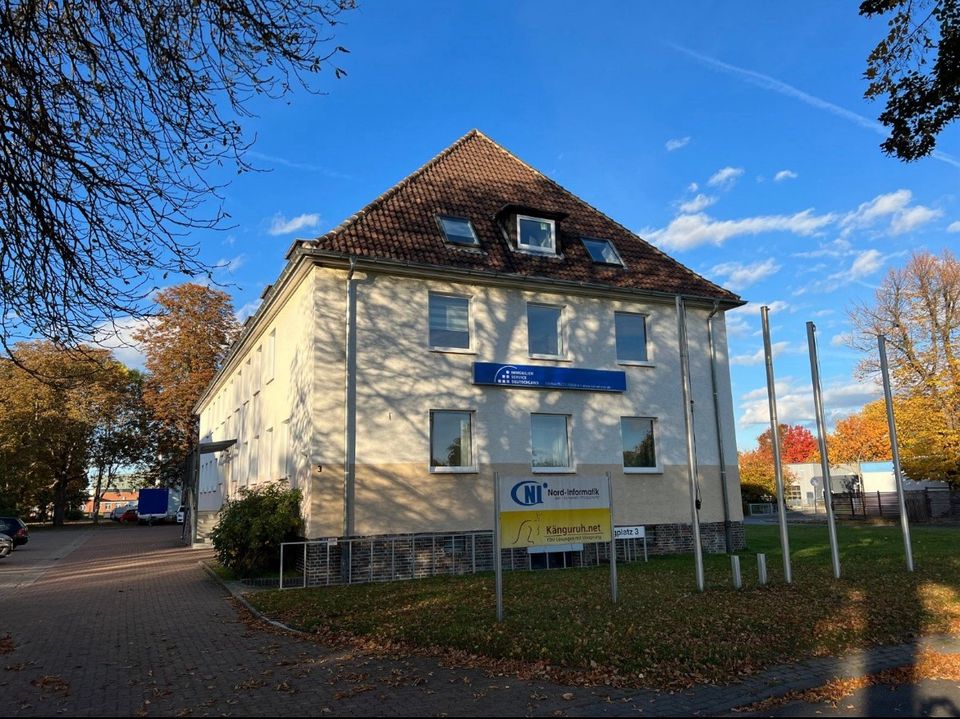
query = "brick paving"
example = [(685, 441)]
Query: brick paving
[(124, 621)]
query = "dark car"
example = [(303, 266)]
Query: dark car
[(16, 529)]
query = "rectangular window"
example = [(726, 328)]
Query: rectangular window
[(544, 331), (268, 463), (631, 330), (457, 230), (451, 441), (449, 322), (550, 443), (536, 235), (639, 444), (270, 358)]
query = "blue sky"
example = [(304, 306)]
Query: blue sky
[(732, 135)]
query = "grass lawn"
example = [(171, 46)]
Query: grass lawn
[(662, 633)]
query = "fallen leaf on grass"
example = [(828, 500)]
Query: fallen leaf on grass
[(6, 644), (53, 683)]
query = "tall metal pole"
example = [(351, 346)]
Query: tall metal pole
[(497, 560), (691, 446), (895, 449), (614, 588), (775, 437), (822, 440)]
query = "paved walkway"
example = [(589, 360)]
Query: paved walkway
[(123, 621)]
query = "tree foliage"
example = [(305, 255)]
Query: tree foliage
[(797, 444), (917, 68), (117, 117), (861, 437), (917, 307), (251, 528), (48, 428), (184, 346)]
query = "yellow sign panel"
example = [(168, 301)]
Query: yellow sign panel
[(532, 528)]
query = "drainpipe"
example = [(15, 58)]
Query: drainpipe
[(350, 404), (727, 528)]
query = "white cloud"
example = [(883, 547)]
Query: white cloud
[(282, 226), (865, 264), (753, 308), (840, 339), (700, 202), (247, 310), (231, 265), (785, 175), (739, 275), (117, 336), (954, 226), (795, 402), (737, 325), (693, 187), (837, 248), (676, 143), (689, 231), (911, 219), (725, 177), (776, 349)]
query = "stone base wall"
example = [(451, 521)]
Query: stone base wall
[(415, 556)]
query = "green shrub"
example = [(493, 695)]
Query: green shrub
[(248, 536)]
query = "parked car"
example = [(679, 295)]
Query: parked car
[(16, 529), (6, 545), (129, 516), (118, 511)]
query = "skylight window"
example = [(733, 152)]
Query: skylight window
[(458, 230), (602, 251), (537, 235)]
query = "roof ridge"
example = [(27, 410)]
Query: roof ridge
[(595, 209), (391, 191)]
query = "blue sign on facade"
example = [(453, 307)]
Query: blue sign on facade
[(540, 377)]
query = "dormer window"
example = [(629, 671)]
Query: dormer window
[(457, 230), (602, 252), (536, 235)]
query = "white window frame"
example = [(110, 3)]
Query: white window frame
[(269, 366), (648, 362), (471, 349), (656, 469), (530, 249), (472, 469), (561, 332), (572, 468)]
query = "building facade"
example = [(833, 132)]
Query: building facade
[(477, 319)]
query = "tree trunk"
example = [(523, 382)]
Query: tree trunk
[(60, 499), (97, 496)]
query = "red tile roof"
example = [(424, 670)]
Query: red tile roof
[(475, 178)]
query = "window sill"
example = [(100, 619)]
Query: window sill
[(453, 350), (635, 363), (454, 470), (552, 358), (553, 470), (642, 470)]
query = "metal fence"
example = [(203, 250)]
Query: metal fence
[(922, 505), (361, 560)]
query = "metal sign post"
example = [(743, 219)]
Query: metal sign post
[(775, 437), (895, 449), (497, 562), (822, 440), (691, 446), (614, 588)]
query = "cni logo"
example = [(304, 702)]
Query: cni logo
[(528, 493)]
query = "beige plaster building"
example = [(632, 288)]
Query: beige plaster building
[(476, 318)]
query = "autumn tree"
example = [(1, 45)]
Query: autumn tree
[(797, 444), (862, 437), (118, 124), (916, 67), (917, 307), (47, 425), (758, 482), (184, 346)]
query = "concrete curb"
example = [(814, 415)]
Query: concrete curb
[(238, 595)]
